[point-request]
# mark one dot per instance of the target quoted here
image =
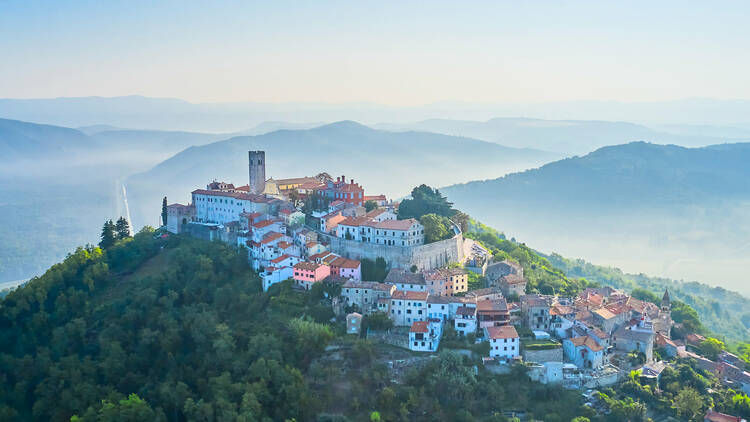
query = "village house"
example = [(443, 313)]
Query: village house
[(350, 268), (513, 285), (179, 215), (636, 338), (712, 416), (380, 200), (439, 307), (504, 341), (308, 273), (492, 313), (562, 317), (406, 280), (273, 275), (446, 281), (351, 192), (312, 248), (465, 321), (424, 336), (584, 352), (354, 323), (536, 311), (488, 293), (407, 307), (365, 294)]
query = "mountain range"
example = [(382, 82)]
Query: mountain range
[(175, 114), (563, 136), (662, 209), (383, 162)]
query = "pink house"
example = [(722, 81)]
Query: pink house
[(308, 273), (351, 269)]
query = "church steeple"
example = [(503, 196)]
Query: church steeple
[(666, 303)]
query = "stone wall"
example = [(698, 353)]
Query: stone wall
[(425, 257), (547, 355)]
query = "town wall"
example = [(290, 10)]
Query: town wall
[(425, 257)]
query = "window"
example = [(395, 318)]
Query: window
[(505, 349)]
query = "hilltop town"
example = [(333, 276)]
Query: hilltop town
[(317, 230)]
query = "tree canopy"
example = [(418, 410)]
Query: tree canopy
[(425, 200)]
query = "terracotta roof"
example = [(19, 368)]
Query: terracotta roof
[(618, 308), (350, 263), (497, 305), (285, 211), (374, 198), (294, 180), (250, 215), (180, 206), (396, 224), (603, 313), (507, 331), (561, 310), (331, 257), (284, 245), (721, 417), (338, 262), (512, 279), (318, 255), (466, 310), (281, 258), (419, 327), (439, 299), (262, 224), (409, 295), (355, 221), (310, 244), (235, 195), (244, 188), (307, 266), (601, 335), (586, 341), (271, 237), (661, 341)]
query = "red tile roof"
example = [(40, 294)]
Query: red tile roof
[(396, 224), (507, 331), (281, 258), (350, 263), (235, 195), (284, 245), (721, 417), (419, 327), (271, 237), (409, 295), (586, 341), (262, 224), (374, 198), (307, 266)]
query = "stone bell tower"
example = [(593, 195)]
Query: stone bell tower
[(257, 169)]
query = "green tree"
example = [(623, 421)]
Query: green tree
[(370, 205), (122, 228), (436, 227), (425, 200), (164, 211), (688, 403), (108, 236), (711, 347)]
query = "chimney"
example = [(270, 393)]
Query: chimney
[(338, 179), (352, 181), (343, 179)]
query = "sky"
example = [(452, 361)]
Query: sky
[(400, 53)]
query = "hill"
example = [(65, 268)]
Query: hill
[(178, 329), (383, 162), (23, 140), (563, 136), (674, 211)]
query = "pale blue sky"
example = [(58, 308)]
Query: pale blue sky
[(400, 53)]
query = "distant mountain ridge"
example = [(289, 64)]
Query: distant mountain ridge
[(667, 210), (175, 114), (384, 162), (564, 136)]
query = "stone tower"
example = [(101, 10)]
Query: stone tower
[(257, 168), (666, 303)]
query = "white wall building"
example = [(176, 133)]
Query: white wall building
[(504, 341), (407, 307)]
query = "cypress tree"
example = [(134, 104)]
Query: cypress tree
[(122, 228), (108, 235), (164, 211)]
